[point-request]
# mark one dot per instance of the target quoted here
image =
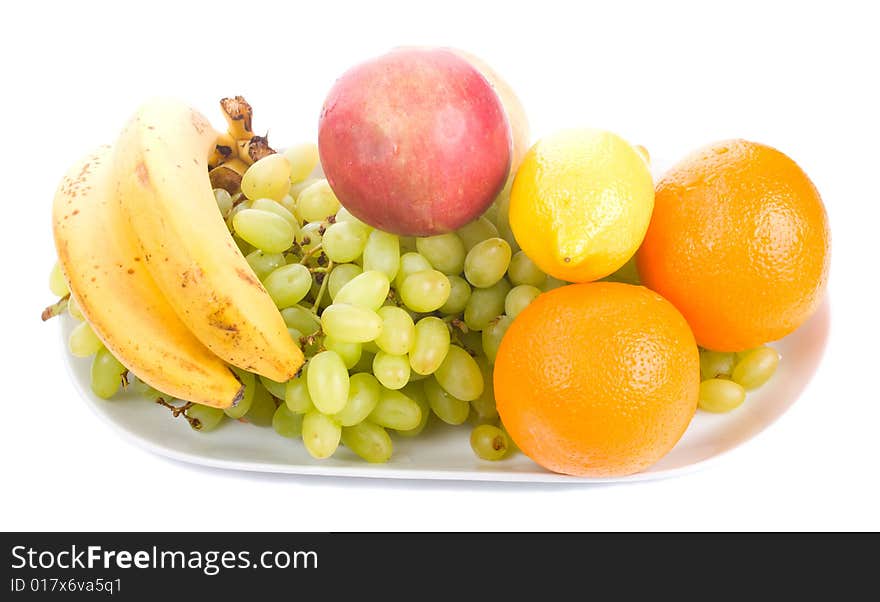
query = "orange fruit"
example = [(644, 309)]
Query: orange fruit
[(739, 243), (598, 379)]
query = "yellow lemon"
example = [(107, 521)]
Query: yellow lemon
[(581, 203)]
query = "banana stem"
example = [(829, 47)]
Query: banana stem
[(323, 288), (57, 308)]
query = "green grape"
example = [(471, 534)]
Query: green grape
[(369, 441), (472, 342), (368, 290), (265, 231), (328, 382), (487, 262), (492, 335), (447, 408), (430, 345), (502, 219), (278, 209), (74, 310), (224, 201), (106, 375), (345, 241), (317, 202), (303, 159), (523, 270), (628, 273), (407, 244), (57, 283), (459, 293), (372, 348), (137, 386), (262, 407), (340, 276), (296, 395), (382, 253), (288, 285), (294, 334), (310, 236), (244, 247), (392, 371), (234, 211), (289, 203), (460, 375), (302, 319), (491, 213), (249, 382), (719, 395), (344, 215), (296, 189), (363, 395), (425, 291), (83, 342), (267, 178), (551, 283), (395, 411), (349, 352), (351, 323), (756, 368), (485, 304), (410, 263), (489, 442), (264, 263), (365, 364), (287, 423), (477, 231), (276, 388), (715, 363), (321, 435), (398, 331), (484, 405), (204, 418), (519, 298), (445, 252), (416, 392)]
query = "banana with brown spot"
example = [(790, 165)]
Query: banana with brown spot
[(161, 175), (107, 276)]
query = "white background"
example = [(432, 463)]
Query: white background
[(799, 76)]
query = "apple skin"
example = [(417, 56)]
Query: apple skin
[(415, 142)]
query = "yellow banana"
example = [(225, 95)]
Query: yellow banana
[(161, 174), (225, 149), (239, 115), (108, 278)]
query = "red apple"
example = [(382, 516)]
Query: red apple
[(415, 142)]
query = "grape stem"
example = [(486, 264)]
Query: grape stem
[(177, 411), (57, 308), (310, 252), (321, 291)]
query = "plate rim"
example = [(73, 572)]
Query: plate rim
[(373, 471)]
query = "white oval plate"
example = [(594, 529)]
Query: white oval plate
[(443, 452)]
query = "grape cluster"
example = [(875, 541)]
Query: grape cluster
[(726, 377), (395, 330)]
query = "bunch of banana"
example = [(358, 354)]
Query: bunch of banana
[(154, 270), (238, 147)]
